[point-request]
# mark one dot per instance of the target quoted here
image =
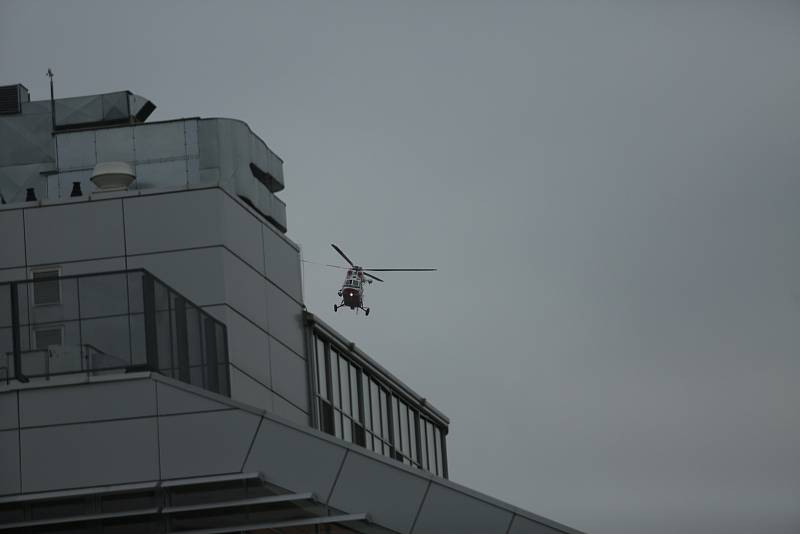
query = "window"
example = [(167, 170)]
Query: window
[(48, 337), (360, 405), (46, 287)]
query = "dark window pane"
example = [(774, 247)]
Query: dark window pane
[(344, 383), (106, 342), (431, 447), (384, 416), (423, 443), (412, 433), (376, 408), (396, 438), (366, 397), (347, 429), (438, 441), (46, 291), (404, 428), (354, 404), (322, 382), (103, 295), (335, 378)]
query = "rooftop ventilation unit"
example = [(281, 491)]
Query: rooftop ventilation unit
[(113, 176), (12, 97)]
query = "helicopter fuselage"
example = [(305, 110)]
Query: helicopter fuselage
[(352, 291)]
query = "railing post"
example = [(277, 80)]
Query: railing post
[(212, 359), (182, 339), (150, 330), (18, 374)]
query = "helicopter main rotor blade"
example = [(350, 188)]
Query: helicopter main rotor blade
[(337, 249), (325, 264), (373, 276), (371, 269)]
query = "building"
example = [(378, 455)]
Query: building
[(159, 369)]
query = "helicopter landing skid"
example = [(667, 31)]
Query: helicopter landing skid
[(337, 306)]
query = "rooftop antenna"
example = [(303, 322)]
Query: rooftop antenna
[(52, 99)]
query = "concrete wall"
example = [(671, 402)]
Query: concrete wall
[(204, 243)]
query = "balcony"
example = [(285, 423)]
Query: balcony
[(105, 323)]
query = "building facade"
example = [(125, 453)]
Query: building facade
[(159, 370)]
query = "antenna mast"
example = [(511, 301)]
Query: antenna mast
[(52, 99)]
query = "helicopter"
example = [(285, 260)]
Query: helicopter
[(352, 291)]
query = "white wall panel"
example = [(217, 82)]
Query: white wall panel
[(394, 505), (448, 510), (285, 318), (289, 411), (282, 263), (80, 231), (289, 375), (244, 290), (242, 232), (12, 250), (87, 402), (189, 446), (196, 274), (305, 463), (89, 454), (161, 223), (9, 462), (8, 410), (246, 390)]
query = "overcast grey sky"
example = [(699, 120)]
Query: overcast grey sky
[(608, 188)]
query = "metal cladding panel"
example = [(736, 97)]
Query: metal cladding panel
[(16, 179), (283, 263), (89, 454), (93, 266), (76, 150), (12, 251), (396, 497), (71, 232), (160, 223), (170, 173), (195, 274), (523, 525), (289, 411), (8, 275), (289, 375), (191, 138), (285, 318), (295, 459), (8, 406), (172, 400), (208, 143), (115, 106), (244, 290), (248, 346), (448, 510), (204, 444), (26, 139), (9, 462), (79, 110), (248, 391), (242, 232), (161, 140), (115, 144), (84, 403)]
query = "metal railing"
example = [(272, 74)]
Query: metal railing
[(108, 322)]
